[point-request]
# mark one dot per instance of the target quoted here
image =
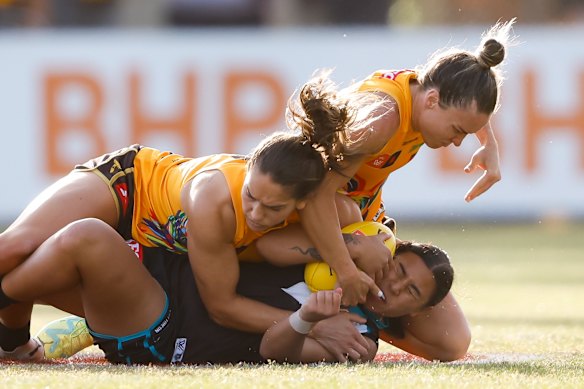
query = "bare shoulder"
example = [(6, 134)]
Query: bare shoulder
[(384, 127), (203, 184), (207, 197)]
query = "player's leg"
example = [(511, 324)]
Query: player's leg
[(119, 296), (68, 335), (82, 193), (73, 197), (76, 196)]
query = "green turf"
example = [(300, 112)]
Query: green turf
[(521, 286)]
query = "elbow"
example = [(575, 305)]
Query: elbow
[(459, 348), (266, 350), (269, 349), (454, 349), (220, 315)]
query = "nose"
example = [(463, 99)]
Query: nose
[(398, 285), (457, 140), (256, 213)]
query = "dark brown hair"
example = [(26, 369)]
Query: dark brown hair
[(328, 117), (290, 161), (462, 77), (320, 119)]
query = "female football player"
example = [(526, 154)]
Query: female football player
[(453, 95)]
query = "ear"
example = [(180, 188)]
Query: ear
[(432, 98), (300, 204)]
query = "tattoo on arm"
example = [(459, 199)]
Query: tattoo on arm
[(350, 239), (311, 252)]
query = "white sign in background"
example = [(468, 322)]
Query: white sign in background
[(540, 125)]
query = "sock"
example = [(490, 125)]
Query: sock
[(4, 300), (11, 338)]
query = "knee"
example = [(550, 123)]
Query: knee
[(15, 246), (82, 234)]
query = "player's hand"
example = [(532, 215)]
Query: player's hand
[(487, 159), (321, 305), (371, 255), (341, 338), (356, 286)]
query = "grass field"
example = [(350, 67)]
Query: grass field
[(522, 287)]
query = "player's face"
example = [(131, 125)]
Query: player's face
[(265, 203), (441, 127), (408, 287)]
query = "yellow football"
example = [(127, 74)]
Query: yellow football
[(372, 228), (320, 276)]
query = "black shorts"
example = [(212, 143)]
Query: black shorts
[(117, 170), (189, 335), (152, 345), (198, 339)]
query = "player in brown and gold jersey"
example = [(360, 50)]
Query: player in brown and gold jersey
[(437, 105)]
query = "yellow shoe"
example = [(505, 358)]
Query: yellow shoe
[(64, 337)]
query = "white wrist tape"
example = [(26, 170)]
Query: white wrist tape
[(300, 325)]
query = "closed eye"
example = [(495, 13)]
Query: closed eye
[(412, 289), (248, 193), (460, 130), (275, 208)]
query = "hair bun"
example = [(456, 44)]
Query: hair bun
[(492, 53)]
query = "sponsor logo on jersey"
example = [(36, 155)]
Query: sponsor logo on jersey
[(380, 212), (161, 326), (392, 74), (180, 346), (136, 248), (122, 191), (385, 160), (379, 161), (115, 165)]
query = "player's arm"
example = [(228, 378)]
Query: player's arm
[(288, 340), (210, 229), (282, 343), (340, 336), (291, 246), (320, 218), (437, 333), (287, 246), (487, 159)]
